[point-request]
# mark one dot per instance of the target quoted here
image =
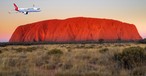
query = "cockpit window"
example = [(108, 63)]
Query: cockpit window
[(38, 8)]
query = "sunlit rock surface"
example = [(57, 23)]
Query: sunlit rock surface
[(75, 30)]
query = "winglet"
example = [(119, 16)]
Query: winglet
[(16, 7)]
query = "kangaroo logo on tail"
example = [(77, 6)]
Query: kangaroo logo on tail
[(16, 7)]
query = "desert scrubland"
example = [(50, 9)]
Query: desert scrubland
[(106, 59)]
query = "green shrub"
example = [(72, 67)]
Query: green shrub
[(103, 50), (93, 61), (30, 49), (145, 48), (55, 52), (19, 49), (99, 46), (120, 45), (0, 51), (131, 57), (69, 50), (66, 66), (49, 66), (5, 49), (88, 47)]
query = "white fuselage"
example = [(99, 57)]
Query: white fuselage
[(24, 10)]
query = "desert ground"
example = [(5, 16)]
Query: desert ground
[(106, 59)]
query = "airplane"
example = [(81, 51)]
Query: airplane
[(26, 10)]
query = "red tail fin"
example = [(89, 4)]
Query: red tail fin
[(16, 7)]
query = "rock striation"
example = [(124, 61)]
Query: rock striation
[(75, 30)]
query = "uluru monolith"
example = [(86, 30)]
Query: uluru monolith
[(75, 30)]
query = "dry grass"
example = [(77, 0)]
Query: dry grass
[(66, 60)]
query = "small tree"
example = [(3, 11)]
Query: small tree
[(119, 40), (143, 41), (101, 40)]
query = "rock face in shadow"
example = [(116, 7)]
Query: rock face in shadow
[(75, 30)]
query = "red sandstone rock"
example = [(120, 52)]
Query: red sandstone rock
[(75, 29)]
